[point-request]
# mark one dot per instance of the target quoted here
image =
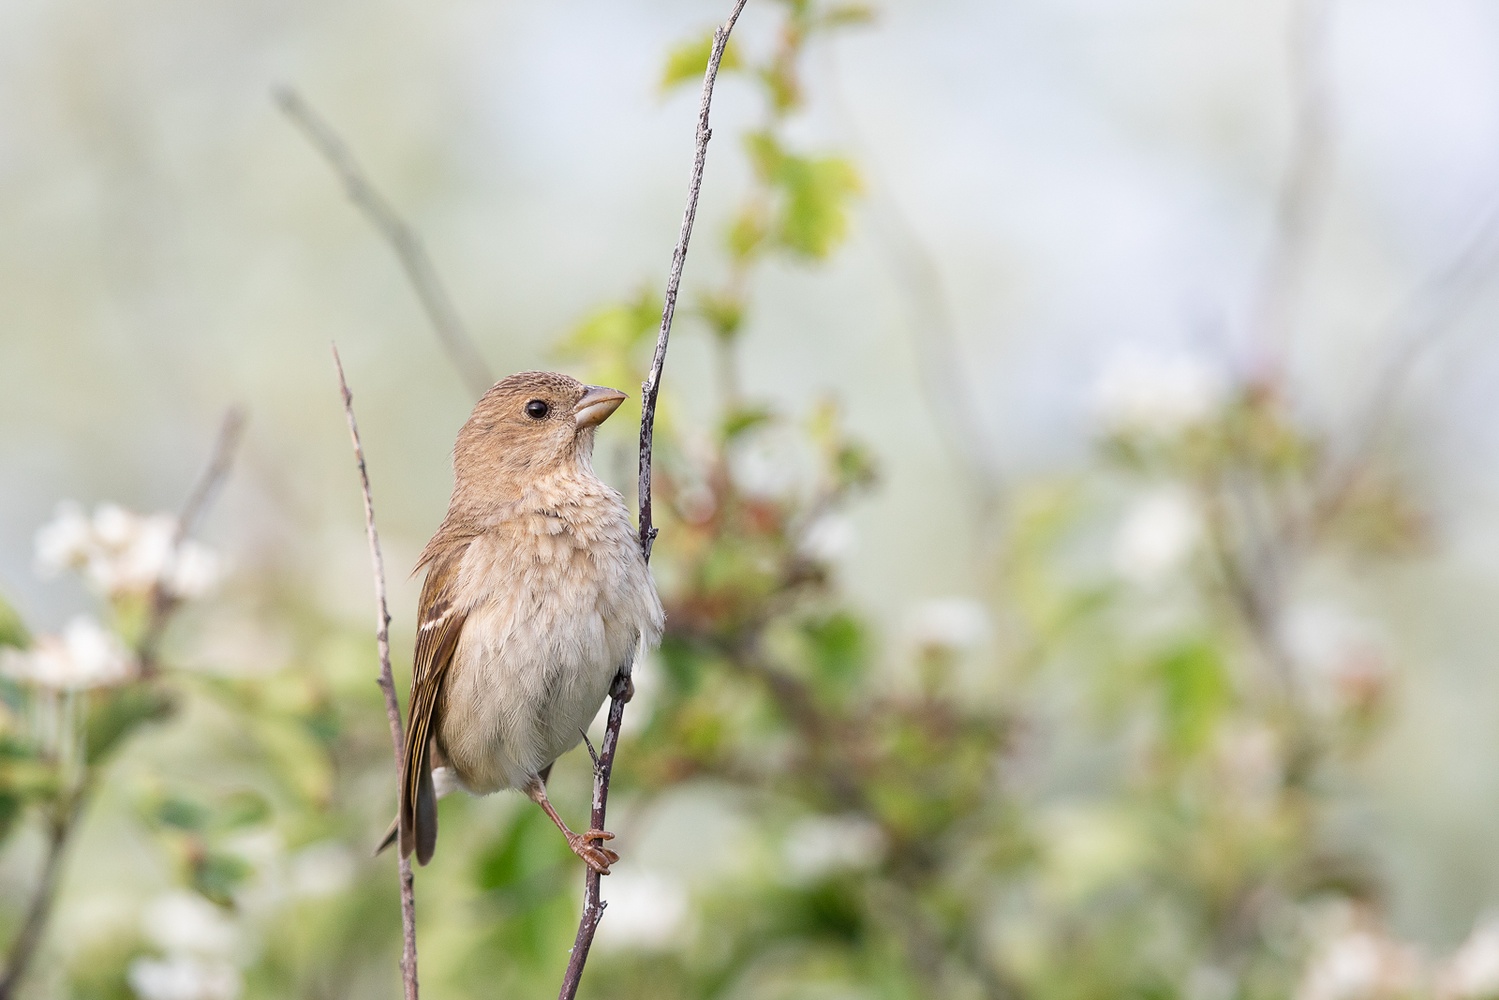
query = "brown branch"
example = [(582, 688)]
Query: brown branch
[(593, 903), (65, 818), (386, 682), (408, 247), (59, 835)]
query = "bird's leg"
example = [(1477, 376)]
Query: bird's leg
[(594, 855)]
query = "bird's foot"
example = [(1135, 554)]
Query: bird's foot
[(594, 855)]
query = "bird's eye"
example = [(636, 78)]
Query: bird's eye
[(537, 410)]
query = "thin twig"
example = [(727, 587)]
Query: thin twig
[(59, 835), (593, 903), (163, 601), (1413, 332), (652, 385), (408, 247), (69, 811), (386, 682), (1300, 197)]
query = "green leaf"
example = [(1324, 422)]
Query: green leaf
[(765, 154), (682, 664), (615, 328), (747, 232), (12, 629), (689, 60), (815, 216), (846, 15), (216, 876), (181, 813), (839, 649), (119, 713), (723, 312), (10, 811), (812, 195), (1195, 691), (746, 418), (244, 808)]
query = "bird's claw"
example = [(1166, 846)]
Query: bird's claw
[(594, 855)]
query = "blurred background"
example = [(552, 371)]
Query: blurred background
[(1080, 513)]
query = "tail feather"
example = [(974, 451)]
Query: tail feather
[(439, 782), (418, 834), (426, 817)]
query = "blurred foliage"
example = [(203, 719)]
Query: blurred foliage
[(1115, 776)]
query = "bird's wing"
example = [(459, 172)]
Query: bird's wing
[(437, 637)]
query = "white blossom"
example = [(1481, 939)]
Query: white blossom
[(199, 940), (64, 542), (1473, 971), (1360, 962), (1157, 535), (322, 869), (1343, 653), (195, 570), (184, 922), (949, 624), (765, 466), (817, 846), (86, 655), (184, 977), (1160, 395), (828, 539), (647, 910), (120, 552)]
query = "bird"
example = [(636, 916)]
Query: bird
[(536, 597)]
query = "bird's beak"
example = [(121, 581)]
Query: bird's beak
[(596, 405)]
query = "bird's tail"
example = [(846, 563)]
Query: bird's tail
[(441, 782)]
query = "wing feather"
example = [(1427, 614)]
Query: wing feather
[(437, 637)]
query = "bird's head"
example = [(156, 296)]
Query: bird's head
[(528, 426)]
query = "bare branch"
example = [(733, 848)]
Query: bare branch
[(59, 834), (652, 385), (386, 682), (1413, 332), (163, 602), (1301, 194), (402, 238), (230, 431), (593, 903), (939, 351)]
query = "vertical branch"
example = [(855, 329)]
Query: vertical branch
[(387, 684), (651, 387), (408, 247), (593, 903)]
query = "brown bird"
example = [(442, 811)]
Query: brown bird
[(536, 597)]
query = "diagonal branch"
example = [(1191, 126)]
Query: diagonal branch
[(387, 684), (593, 903), (1301, 195), (408, 247)]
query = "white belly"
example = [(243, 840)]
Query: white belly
[(531, 670)]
